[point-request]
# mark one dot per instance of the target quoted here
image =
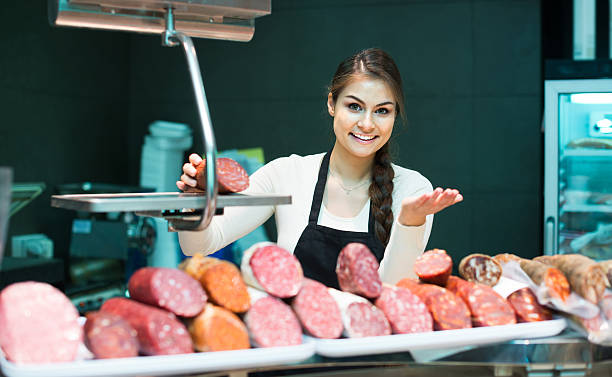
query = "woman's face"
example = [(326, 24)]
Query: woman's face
[(364, 114)]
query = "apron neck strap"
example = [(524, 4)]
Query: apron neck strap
[(317, 197)]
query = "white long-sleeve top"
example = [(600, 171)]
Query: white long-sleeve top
[(297, 176)]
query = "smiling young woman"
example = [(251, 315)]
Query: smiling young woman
[(353, 193)]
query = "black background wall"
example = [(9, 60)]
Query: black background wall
[(76, 103)]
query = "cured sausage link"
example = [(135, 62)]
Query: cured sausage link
[(221, 280), (448, 311), (357, 270), (218, 329), (109, 336), (317, 311), (168, 288), (480, 268), (434, 266), (159, 332), (488, 308), (585, 276)]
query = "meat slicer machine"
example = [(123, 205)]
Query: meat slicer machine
[(176, 21)]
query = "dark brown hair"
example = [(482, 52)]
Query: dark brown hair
[(377, 64)]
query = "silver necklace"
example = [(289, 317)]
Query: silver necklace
[(347, 190)]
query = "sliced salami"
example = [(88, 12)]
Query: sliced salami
[(487, 307), (359, 316), (218, 329), (404, 310), (527, 307), (109, 336), (357, 270), (221, 280), (480, 268), (38, 324), (159, 332), (448, 311), (272, 323), (231, 176), (271, 268), (317, 311), (168, 288), (434, 266)]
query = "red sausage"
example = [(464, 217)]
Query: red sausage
[(272, 323), (434, 266), (159, 332), (357, 270), (109, 336), (404, 310), (527, 307), (168, 288), (448, 311), (488, 308), (317, 311), (273, 269)]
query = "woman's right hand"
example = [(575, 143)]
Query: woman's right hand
[(188, 181)]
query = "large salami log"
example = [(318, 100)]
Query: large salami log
[(585, 276), (221, 280), (231, 176), (272, 323), (448, 311), (555, 281), (317, 311), (159, 332), (168, 288), (218, 329), (434, 266), (269, 267), (480, 268), (527, 307), (357, 270), (359, 317), (109, 336), (404, 310), (488, 308), (38, 324)]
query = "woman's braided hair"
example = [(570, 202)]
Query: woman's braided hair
[(375, 63)]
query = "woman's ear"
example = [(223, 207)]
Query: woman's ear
[(330, 104)]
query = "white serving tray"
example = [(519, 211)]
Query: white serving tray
[(476, 336), (167, 364)]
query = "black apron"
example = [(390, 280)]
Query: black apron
[(319, 246)]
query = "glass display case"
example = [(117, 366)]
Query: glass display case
[(578, 167)]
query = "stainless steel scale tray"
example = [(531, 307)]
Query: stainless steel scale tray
[(159, 201)]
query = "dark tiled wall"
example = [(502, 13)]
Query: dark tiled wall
[(63, 100), (471, 72)]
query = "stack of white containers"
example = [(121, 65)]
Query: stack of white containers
[(161, 162)]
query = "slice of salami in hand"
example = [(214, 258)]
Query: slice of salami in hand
[(231, 176), (357, 270)]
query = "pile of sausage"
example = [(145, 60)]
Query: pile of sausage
[(210, 305)]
